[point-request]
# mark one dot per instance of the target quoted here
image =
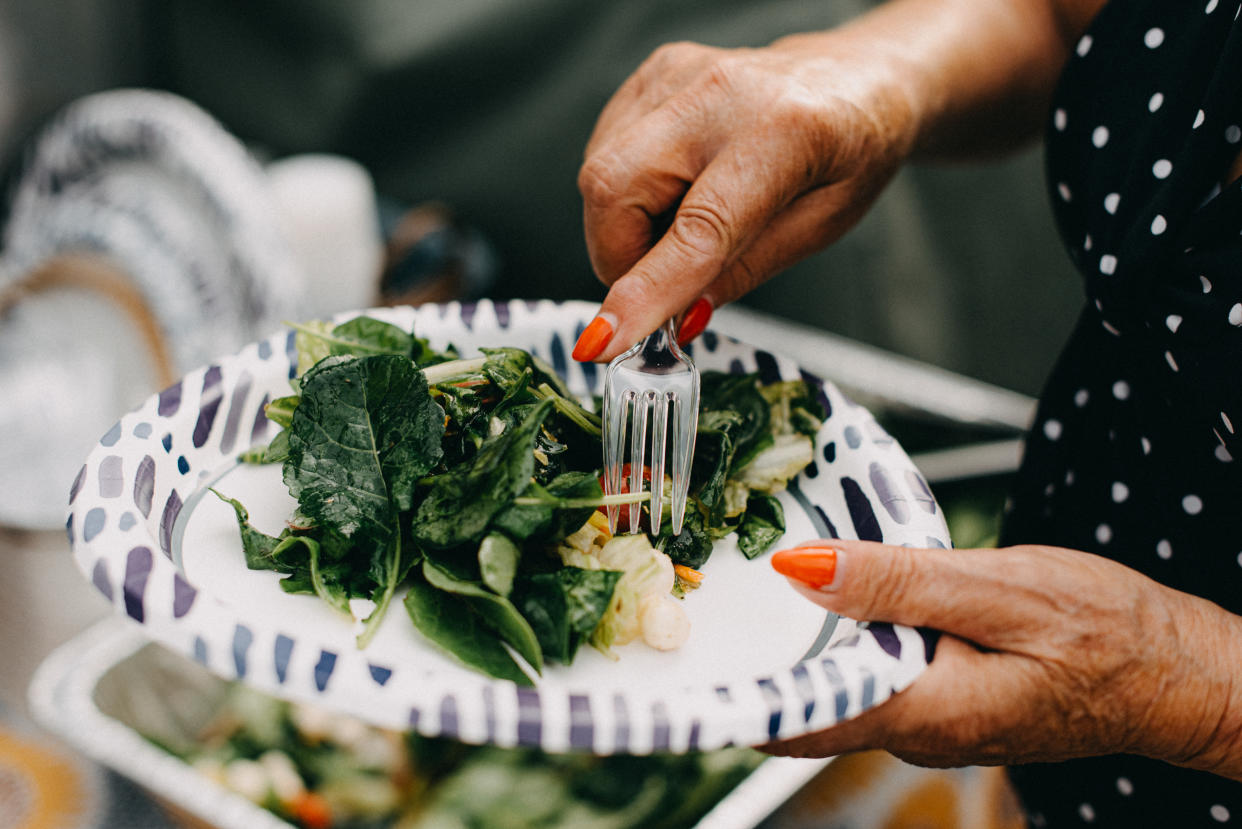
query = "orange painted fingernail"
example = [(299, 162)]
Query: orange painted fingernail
[(813, 566), (695, 321), (594, 337)]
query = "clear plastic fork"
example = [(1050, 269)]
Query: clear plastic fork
[(656, 382)]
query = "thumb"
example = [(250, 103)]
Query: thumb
[(721, 213), (991, 597)]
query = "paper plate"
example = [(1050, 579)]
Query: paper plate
[(761, 663)]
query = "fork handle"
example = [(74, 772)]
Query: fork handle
[(660, 349)]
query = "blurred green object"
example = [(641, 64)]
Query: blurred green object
[(303, 763), (974, 509)]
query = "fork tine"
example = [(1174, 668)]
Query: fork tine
[(685, 422), (616, 414), (638, 447), (659, 431)]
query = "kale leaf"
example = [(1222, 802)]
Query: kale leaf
[(364, 433)]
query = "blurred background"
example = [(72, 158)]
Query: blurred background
[(486, 105), (319, 155)]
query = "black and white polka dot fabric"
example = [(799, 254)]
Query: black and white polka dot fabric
[(1132, 454)]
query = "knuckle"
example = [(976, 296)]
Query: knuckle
[(892, 577), (676, 53), (600, 178), (669, 53), (703, 228), (724, 72), (639, 287)]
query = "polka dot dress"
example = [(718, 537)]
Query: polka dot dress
[(1133, 452)]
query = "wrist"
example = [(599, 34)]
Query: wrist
[(868, 71), (975, 77), (1196, 716)]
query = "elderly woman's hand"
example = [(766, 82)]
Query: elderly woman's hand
[(710, 170), (1047, 654)]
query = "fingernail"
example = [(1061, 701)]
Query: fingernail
[(695, 321), (815, 567), (593, 339)]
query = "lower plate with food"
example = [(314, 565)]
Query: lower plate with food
[(397, 515), (220, 754)]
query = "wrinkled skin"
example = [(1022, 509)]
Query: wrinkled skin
[(762, 165), (1047, 654), (710, 169)]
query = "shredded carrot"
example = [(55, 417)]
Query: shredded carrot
[(312, 811), (691, 577)]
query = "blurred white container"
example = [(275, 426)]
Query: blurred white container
[(327, 211), (76, 350), (102, 688)]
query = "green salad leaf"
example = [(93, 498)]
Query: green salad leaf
[(365, 432), (762, 524), (448, 620), (565, 606), (495, 611), (473, 483), (462, 502)]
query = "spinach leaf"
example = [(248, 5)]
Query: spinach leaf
[(364, 433), (497, 611), (521, 375), (280, 410), (463, 501), (311, 344), (762, 524), (361, 336), (498, 562), (565, 606), (387, 570), (258, 547), (448, 621), (738, 393), (713, 455), (296, 555), (692, 546), (358, 337), (508, 367), (329, 589), (552, 512)]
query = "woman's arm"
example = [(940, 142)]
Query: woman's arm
[(710, 169), (1047, 654), (979, 73)]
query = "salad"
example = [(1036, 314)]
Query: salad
[(474, 484), (321, 770)]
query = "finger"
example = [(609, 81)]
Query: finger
[(968, 708), (810, 222), (1000, 599), (728, 205), (875, 728), (666, 71), (633, 180)]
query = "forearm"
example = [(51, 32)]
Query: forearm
[(974, 76)]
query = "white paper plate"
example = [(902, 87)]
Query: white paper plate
[(761, 663)]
